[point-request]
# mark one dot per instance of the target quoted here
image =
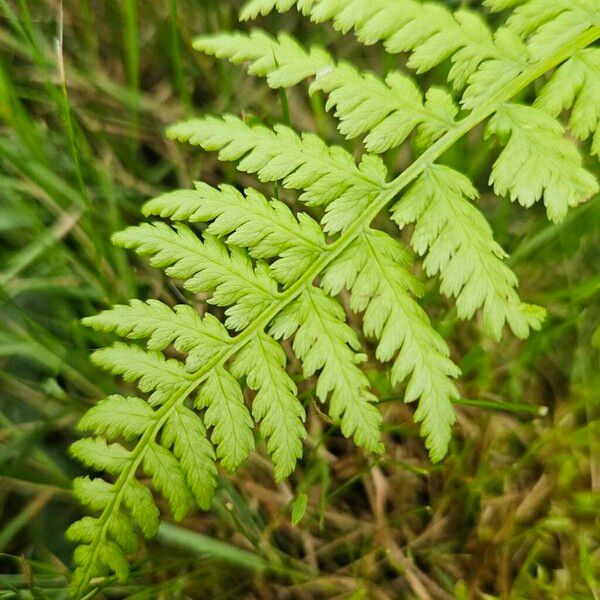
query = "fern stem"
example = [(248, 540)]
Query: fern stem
[(333, 251)]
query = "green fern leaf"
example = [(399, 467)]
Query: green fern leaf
[(150, 370), (538, 162), (121, 530), (553, 24), (275, 272), (576, 85), (499, 5), (323, 341), (254, 8), (117, 416), (184, 432), (109, 556), (227, 414), (374, 268), (328, 175), (276, 407), (207, 266), (94, 493), (96, 453), (83, 530), (201, 338), (284, 62), (430, 31), (388, 111), (494, 74), (463, 252), (268, 229), (169, 479), (140, 503)]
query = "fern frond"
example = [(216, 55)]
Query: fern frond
[(553, 24), (91, 557), (109, 557), (149, 370), (538, 161), (200, 337), (121, 529), (262, 361), (185, 434), (117, 416), (388, 110), (227, 414), (429, 31), (327, 175), (284, 62), (462, 250), (253, 8), (207, 266), (168, 478), (495, 73), (323, 341), (140, 503), (500, 5), (96, 453), (374, 268), (576, 85), (267, 228), (275, 273)]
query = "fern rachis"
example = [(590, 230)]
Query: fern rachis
[(278, 301)]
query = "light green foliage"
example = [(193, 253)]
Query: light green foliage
[(227, 414), (460, 248), (284, 62), (323, 341), (274, 273), (374, 268), (275, 405), (498, 5), (168, 478), (118, 535), (429, 31), (503, 67), (117, 417), (299, 507), (94, 493), (149, 370), (138, 500), (552, 24), (389, 111), (267, 228), (576, 85), (96, 453), (185, 433), (538, 161), (327, 175), (263, 7), (207, 266), (200, 337)]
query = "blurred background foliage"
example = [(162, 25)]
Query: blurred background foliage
[(86, 90)]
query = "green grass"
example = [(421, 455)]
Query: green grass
[(511, 513)]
